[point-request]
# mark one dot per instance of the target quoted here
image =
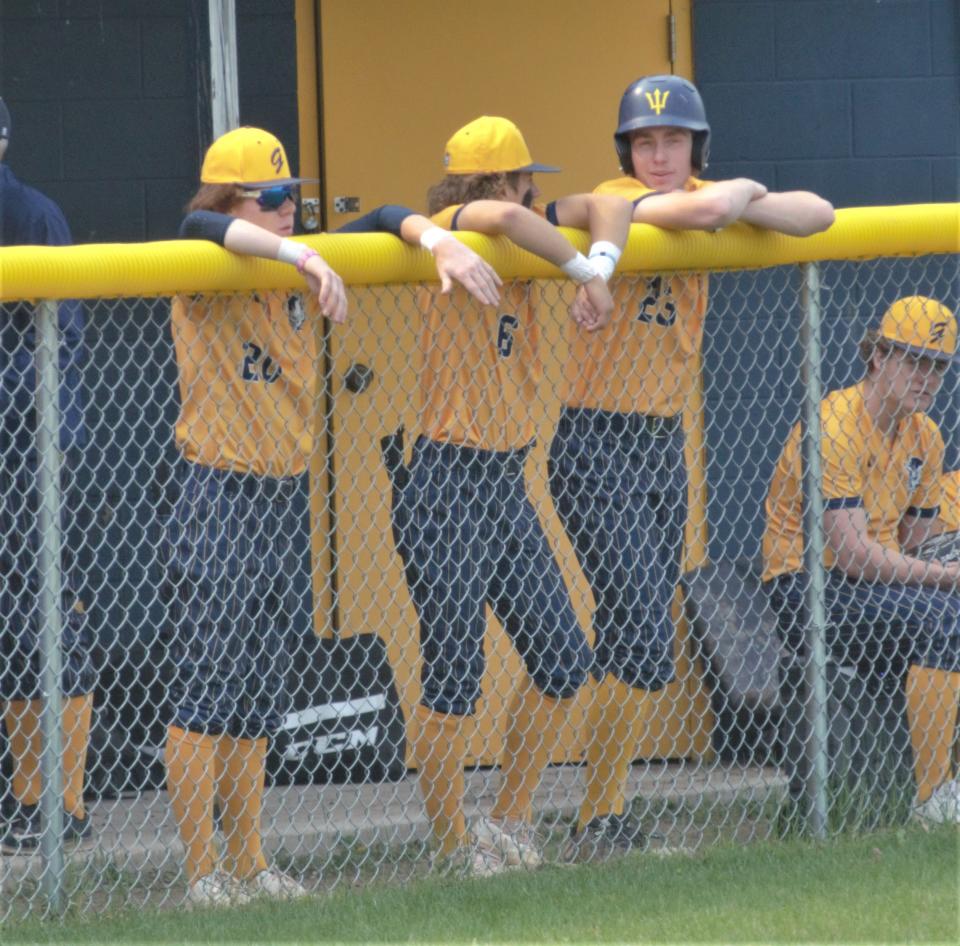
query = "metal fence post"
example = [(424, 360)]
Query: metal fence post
[(49, 577), (815, 671)]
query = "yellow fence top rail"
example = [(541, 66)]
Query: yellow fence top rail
[(164, 268)]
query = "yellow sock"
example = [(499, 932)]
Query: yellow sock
[(616, 724), (932, 713), (532, 736), (190, 759), (76, 737), (22, 719), (441, 750), (241, 767)]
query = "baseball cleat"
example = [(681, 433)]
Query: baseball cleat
[(513, 840)]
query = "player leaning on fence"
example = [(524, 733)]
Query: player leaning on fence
[(466, 529), (29, 217), (617, 471), (882, 460), (248, 377)]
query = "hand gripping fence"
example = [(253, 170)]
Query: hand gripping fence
[(225, 679)]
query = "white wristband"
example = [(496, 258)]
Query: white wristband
[(604, 256), (603, 265), (290, 251), (430, 238), (579, 269), (606, 248)]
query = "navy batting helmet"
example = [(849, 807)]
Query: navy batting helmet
[(662, 100)]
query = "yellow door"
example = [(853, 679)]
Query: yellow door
[(397, 79), (400, 76)]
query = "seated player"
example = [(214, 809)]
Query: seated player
[(882, 460)]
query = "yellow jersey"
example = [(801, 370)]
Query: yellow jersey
[(861, 467), (481, 364), (248, 382), (950, 501), (645, 360)]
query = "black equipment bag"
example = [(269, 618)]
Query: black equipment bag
[(344, 723), (736, 630)]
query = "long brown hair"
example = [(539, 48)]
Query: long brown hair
[(217, 197), (462, 188), (871, 343)]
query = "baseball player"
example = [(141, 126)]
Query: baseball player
[(28, 217), (248, 379), (882, 458), (616, 467), (466, 529)]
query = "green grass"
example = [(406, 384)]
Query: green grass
[(854, 808), (892, 887)]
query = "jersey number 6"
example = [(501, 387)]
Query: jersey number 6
[(507, 326)]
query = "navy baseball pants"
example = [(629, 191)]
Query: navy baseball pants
[(228, 593), (469, 536), (619, 484), (870, 625)]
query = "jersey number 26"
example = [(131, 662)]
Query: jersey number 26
[(257, 366)]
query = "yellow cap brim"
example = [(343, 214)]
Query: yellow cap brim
[(276, 182)]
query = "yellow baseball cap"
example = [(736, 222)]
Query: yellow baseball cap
[(921, 326), (248, 156), (490, 145)]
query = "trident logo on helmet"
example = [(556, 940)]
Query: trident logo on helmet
[(658, 100)]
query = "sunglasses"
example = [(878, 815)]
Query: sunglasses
[(273, 198)]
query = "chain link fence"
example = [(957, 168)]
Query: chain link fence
[(732, 747)]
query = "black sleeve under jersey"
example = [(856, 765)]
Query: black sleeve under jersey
[(385, 219), (551, 213), (206, 225)]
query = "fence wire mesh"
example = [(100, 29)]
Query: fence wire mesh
[(324, 620)]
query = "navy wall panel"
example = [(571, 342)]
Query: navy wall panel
[(733, 44), (919, 116), (945, 37), (860, 182), (102, 211), (859, 102), (779, 121), (856, 38), (106, 95), (946, 179)]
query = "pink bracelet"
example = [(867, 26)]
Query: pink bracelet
[(302, 261)]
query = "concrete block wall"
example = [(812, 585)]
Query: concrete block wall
[(110, 102), (856, 100)]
